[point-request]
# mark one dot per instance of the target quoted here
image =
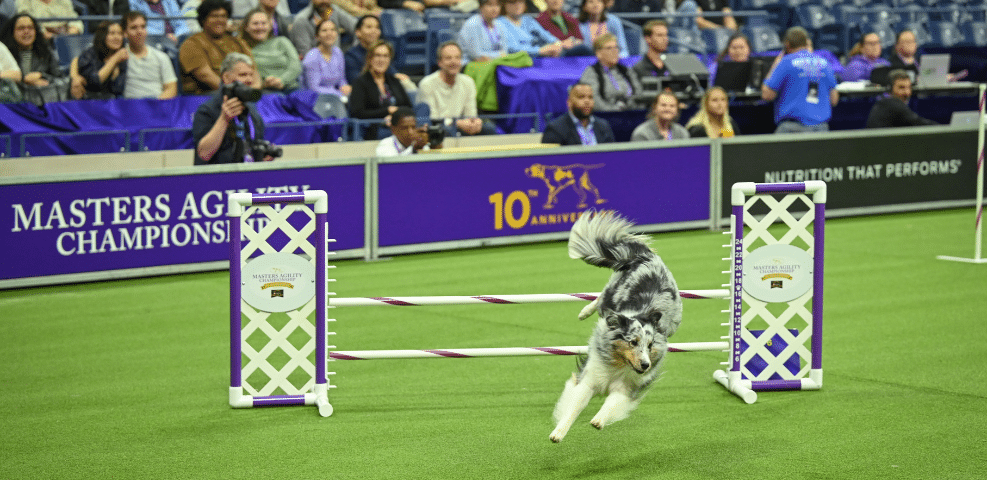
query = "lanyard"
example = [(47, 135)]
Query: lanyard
[(494, 36), (241, 129), (613, 81), (601, 28)]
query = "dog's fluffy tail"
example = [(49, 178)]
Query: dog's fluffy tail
[(603, 239)]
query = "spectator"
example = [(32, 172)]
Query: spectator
[(721, 6), (594, 23), (578, 126), (652, 63), (156, 26), (451, 96), (281, 17), (303, 29), (905, 50), (41, 79), (524, 34), (482, 38), (664, 127), (367, 33), (864, 57), (891, 110), (150, 73), (406, 138), (325, 71), (224, 129), (685, 12), (615, 87), (276, 59), (559, 23), (802, 85), (202, 54), (738, 49), (9, 70), (41, 9), (102, 68), (377, 94), (713, 119)]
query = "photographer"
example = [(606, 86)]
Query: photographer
[(227, 127), (407, 137)]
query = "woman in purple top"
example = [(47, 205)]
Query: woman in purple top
[(864, 57), (325, 70)]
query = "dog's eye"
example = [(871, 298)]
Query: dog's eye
[(633, 343)]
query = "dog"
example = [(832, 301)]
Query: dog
[(639, 308)]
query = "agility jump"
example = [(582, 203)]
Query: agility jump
[(777, 356)]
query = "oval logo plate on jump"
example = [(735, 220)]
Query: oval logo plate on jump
[(777, 273), (278, 282)]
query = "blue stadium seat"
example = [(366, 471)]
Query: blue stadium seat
[(685, 40), (68, 47), (436, 38), (634, 37), (407, 30), (881, 14), (764, 38), (913, 13), (847, 15), (946, 34), (922, 35), (812, 17), (976, 33), (716, 39)]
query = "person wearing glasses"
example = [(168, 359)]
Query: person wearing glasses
[(865, 56)]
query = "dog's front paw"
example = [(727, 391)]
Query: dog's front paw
[(554, 438), (598, 423)]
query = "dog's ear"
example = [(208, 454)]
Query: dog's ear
[(617, 321)]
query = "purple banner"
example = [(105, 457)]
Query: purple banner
[(124, 223), (425, 202)]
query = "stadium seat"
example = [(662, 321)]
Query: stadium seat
[(881, 14), (685, 40), (716, 39), (976, 33), (634, 37), (812, 17), (68, 47), (922, 36), (913, 13), (764, 39), (436, 38), (946, 34), (407, 30), (847, 15)]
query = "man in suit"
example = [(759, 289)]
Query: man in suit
[(578, 126)]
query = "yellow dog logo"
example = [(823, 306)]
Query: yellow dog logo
[(558, 178)]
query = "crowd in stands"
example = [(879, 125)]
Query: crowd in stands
[(335, 48)]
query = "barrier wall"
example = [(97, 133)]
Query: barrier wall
[(84, 227), (866, 172)]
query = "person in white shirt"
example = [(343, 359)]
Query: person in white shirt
[(150, 73), (451, 96), (407, 138)]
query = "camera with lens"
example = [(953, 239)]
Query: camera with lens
[(436, 134), (261, 149), (242, 92)]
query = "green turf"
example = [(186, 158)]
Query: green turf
[(129, 379)]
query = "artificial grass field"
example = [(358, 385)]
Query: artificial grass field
[(128, 379)]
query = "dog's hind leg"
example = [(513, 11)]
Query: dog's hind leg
[(589, 309), (616, 407), (574, 399)]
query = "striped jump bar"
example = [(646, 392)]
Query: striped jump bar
[(499, 299)]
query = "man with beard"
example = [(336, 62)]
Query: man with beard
[(891, 109), (578, 126), (302, 33), (201, 56)]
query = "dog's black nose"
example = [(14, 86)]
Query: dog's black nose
[(644, 366)]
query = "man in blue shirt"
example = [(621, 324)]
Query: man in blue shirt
[(802, 85)]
